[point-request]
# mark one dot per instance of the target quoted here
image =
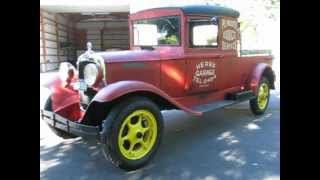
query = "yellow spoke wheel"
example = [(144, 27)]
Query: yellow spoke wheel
[(131, 133), (259, 104), (137, 134), (263, 95)]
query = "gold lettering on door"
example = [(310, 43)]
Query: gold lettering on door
[(205, 73)]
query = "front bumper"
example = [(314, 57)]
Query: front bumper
[(70, 127)]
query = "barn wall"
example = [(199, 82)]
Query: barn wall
[(63, 40), (106, 34), (54, 30)]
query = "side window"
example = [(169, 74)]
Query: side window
[(156, 32), (203, 34)]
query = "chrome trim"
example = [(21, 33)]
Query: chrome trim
[(69, 126), (91, 56)]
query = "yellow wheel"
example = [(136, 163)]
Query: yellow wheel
[(263, 95), (259, 104), (132, 133), (138, 134)]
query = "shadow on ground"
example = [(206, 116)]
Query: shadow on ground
[(229, 143)]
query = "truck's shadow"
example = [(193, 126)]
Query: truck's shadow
[(224, 144)]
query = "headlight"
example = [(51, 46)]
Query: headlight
[(66, 71), (90, 74)]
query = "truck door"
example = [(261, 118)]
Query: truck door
[(205, 61)]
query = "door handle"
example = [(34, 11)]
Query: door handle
[(213, 56), (220, 56)]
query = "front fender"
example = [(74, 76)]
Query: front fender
[(256, 75), (118, 89), (61, 96)]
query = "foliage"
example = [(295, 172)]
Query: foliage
[(211, 41), (169, 40)]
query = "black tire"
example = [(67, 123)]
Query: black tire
[(254, 102), (58, 132), (111, 127)]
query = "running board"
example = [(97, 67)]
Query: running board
[(240, 97), (213, 106)]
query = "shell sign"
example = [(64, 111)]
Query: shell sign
[(230, 34)]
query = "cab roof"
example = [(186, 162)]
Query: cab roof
[(213, 10)]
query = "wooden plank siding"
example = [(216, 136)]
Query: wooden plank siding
[(43, 37), (57, 37), (54, 29), (106, 35)]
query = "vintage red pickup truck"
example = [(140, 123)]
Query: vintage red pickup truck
[(187, 58)]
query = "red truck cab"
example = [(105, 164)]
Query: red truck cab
[(187, 58)]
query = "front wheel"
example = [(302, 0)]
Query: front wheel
[(259, 104), (132, 133)]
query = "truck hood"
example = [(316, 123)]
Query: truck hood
[(130, 55)]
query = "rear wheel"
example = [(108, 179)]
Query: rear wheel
[(132, 133), (58, 132), (259, 104)]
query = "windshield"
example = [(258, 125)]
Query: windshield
[(160, 31)]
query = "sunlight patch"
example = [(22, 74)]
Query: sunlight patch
[(59, 154), (228, 138), (66, 147), (254, 164), (272, 178), (263, 118), (45, 165), (92, 147), (235, 174), (233, 156), (208, 178), (186, 174), (269, 155), (252, 126)]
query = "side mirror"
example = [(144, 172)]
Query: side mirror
[(215, 20)]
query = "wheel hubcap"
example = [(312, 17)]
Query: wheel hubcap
[(137, 134), (263, 95)]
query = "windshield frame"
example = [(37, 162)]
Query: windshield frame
[(154, 18)]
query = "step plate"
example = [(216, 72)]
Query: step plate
[(239, 96), (213, 106), (219, 104)]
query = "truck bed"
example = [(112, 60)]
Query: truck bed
[(262, 52)]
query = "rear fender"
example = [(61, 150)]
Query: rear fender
[(256, 75)]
